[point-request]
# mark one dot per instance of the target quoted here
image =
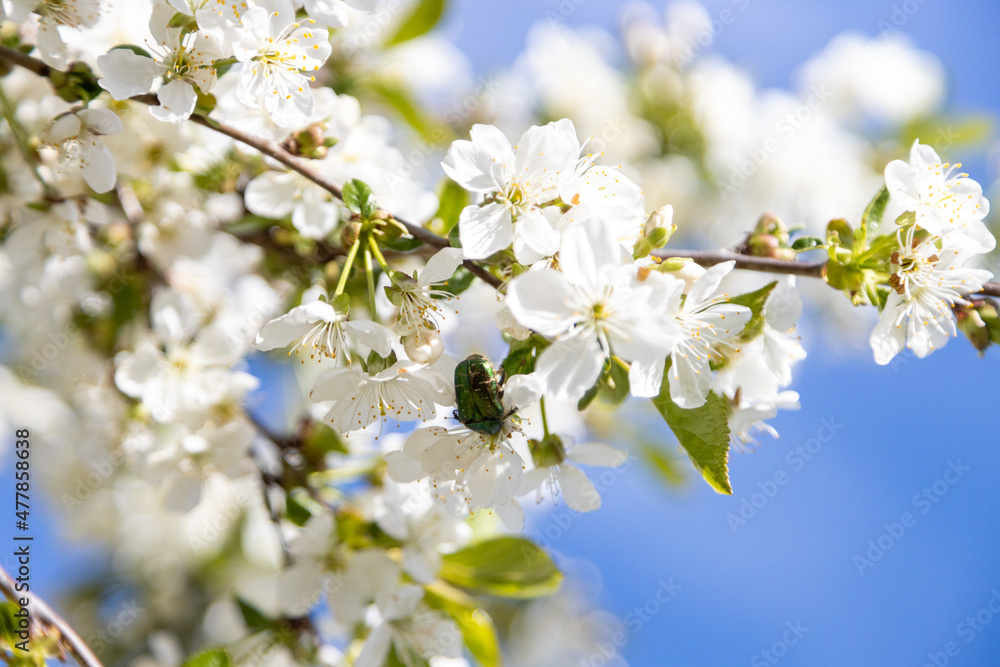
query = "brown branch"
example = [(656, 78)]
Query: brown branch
[(22, 59), (47, 620), (770, 265)]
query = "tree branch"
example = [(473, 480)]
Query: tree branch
[(47, 620), (770, 265)]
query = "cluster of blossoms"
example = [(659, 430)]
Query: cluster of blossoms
[(364, 506), (939, 233)]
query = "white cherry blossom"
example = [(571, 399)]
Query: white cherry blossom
[(943, 200), (319, 328), (279, 55), (709, 323), (76, 136), (598, 304), (405, 391), (927, 281), (517, 181), (186, 61)]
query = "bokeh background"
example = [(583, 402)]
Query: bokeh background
[(876, 438)]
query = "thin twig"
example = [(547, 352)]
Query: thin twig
[(770, 265), (48, 620)]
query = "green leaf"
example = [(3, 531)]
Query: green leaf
[(137, 50), (755, 301), (804, 243), (523, 354), (478, 631), (589, 396), (182, 20), (839, 233), (664, 465), (703, 433), (253, 618), (614, 383), (424, 16), (453, 199), (943, 133), (393, 660), (296, 512), (510, 567), (401, 243), (460, 281), (872, 217), (213, 657), (359, 198), (453, 238)]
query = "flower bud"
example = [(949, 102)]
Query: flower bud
[(979, 322), (682, 268), (424, 346), (661, 218), (349, 235), (308, 143)]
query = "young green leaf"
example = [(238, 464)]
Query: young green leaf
[(872, 217), (703, 433), (664, 465), (359, 198), (804, 243), (755, 301), (478, 631), (510, 567), (213, 657), (453, 198), (424, 16), (253, 618), (523, 355), (460, 281)]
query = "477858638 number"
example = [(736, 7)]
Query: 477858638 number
[(22, 475)]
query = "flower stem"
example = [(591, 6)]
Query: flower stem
[(373, 244), (369, 272), (545, 419), (21, 138), (348, 263)]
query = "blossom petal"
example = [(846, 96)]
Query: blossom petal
[(293, 325), (485, 230), (372, 335), (482, 164), (570, 367), (99, 168), (542, 300), (177, 102), (441, 266), (534, 237), (126, 73), (646, 377), (577, 489), (512, 515), (597, 454), (272, 194)]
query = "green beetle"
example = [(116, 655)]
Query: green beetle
[(479, 395)]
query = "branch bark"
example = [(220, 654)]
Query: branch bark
[(769, 265), (47, 620), (273, 150)]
